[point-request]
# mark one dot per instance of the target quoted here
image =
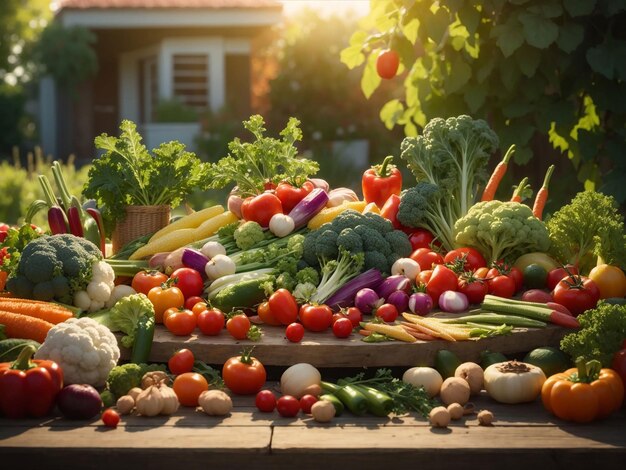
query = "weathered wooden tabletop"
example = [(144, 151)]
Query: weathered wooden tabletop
[(523, 436)]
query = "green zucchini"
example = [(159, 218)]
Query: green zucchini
[(337, 403), (10, 348)]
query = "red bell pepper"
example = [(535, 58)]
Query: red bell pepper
[(389, 211), (381, 181), (27, 387)]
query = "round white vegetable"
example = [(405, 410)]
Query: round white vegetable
[(211, 249), (99, 291), (281, 225), (426, 377), (406, 267), (297, 379), (119, 292), (218, 266)]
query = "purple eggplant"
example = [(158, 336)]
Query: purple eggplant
[(195, 259), (392, 284), (312, 203), (56, 220), (344, 297)]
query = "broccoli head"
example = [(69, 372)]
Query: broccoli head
[(350, 240), (127, 311), (307, 274), (124, 377), (502, 230), (399, 243), (375, 259), (285, 281), (347, 219), (326, 245), (248, 234)]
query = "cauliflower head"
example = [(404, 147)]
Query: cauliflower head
[(85, 350), (501, 230)]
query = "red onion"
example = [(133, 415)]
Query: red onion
[(79, 401), (344, 297), (453, 302), (400, 299), (367, 300), (420, 303), (392, 284), (320, 183)]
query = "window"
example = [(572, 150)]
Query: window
[(191, 80)]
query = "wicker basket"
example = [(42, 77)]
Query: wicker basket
[(139, 221)]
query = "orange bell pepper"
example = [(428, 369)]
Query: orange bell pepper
[(584, 393)]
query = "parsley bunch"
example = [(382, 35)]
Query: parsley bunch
[(254, 165), (128, 174)]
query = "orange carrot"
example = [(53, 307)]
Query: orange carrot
[(416, 333), (48, 311), (542, 195), (365, 332), (521, 190), (497, 175), (17, 325)]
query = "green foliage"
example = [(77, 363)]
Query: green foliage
[(127, 174), (535, 69), (12, 117), (67, 54), (175, 111)]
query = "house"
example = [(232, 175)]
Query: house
[(194, 51)]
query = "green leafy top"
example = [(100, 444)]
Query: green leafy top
[(252, 165), (127, 174)]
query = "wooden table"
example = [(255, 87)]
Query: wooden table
[(524, 436)]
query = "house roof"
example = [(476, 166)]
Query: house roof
[(154, 4)]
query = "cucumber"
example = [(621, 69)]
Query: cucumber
[(488, 358), (615, 300), (10, 348), (446, 363)]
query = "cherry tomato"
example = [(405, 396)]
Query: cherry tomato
[(211, 321), (421, 238), (198, 307), (502, 286), (354, 315), (426, 258), (266, 315), (611, 280), (316, 317), (244, 375), (143, 281), (283, 306), (577, 294), (423, 277), (265, 401), (387, 63), (504, 269), (189, 281), (474, 289), (238, 326), (470, 257), (288, 406), (261, 208), (306, 402), (180, 322), (290, 195), (181, 362), (442, 279), (188, 387), (294, 332), (171, 310), (342, 328), (387, 312), (190, 303), (163, 298), (110, 418), (555, 275)]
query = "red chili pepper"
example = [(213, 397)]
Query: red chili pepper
[(27, 387), (381, 181), (389, 211)]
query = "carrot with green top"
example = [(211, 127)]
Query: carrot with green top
[(521, 191), (542, 195), (47, 311), (17, 325), (498, 173)]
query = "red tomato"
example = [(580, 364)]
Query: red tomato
[(110, 418), (442, 279), (316, 317), (306, 402), (143, 281), (577, 294), (290, 195), (471, 258), (288, 406), (180, 322), (387, 63), (504, 269), (245, 205), (265, 401), (283, 306), (198, 308), (387, 312), (294, 332), (474, 289), (619, 364), (266, 315), (191, 302), (261, 208), (555, 275), (342, 328), (502, 286), (189, 281), (354, 315), (181, 362), (421, 238), (211, 321), (426, 258), (238, 326), (244, 375), (165, 298)]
